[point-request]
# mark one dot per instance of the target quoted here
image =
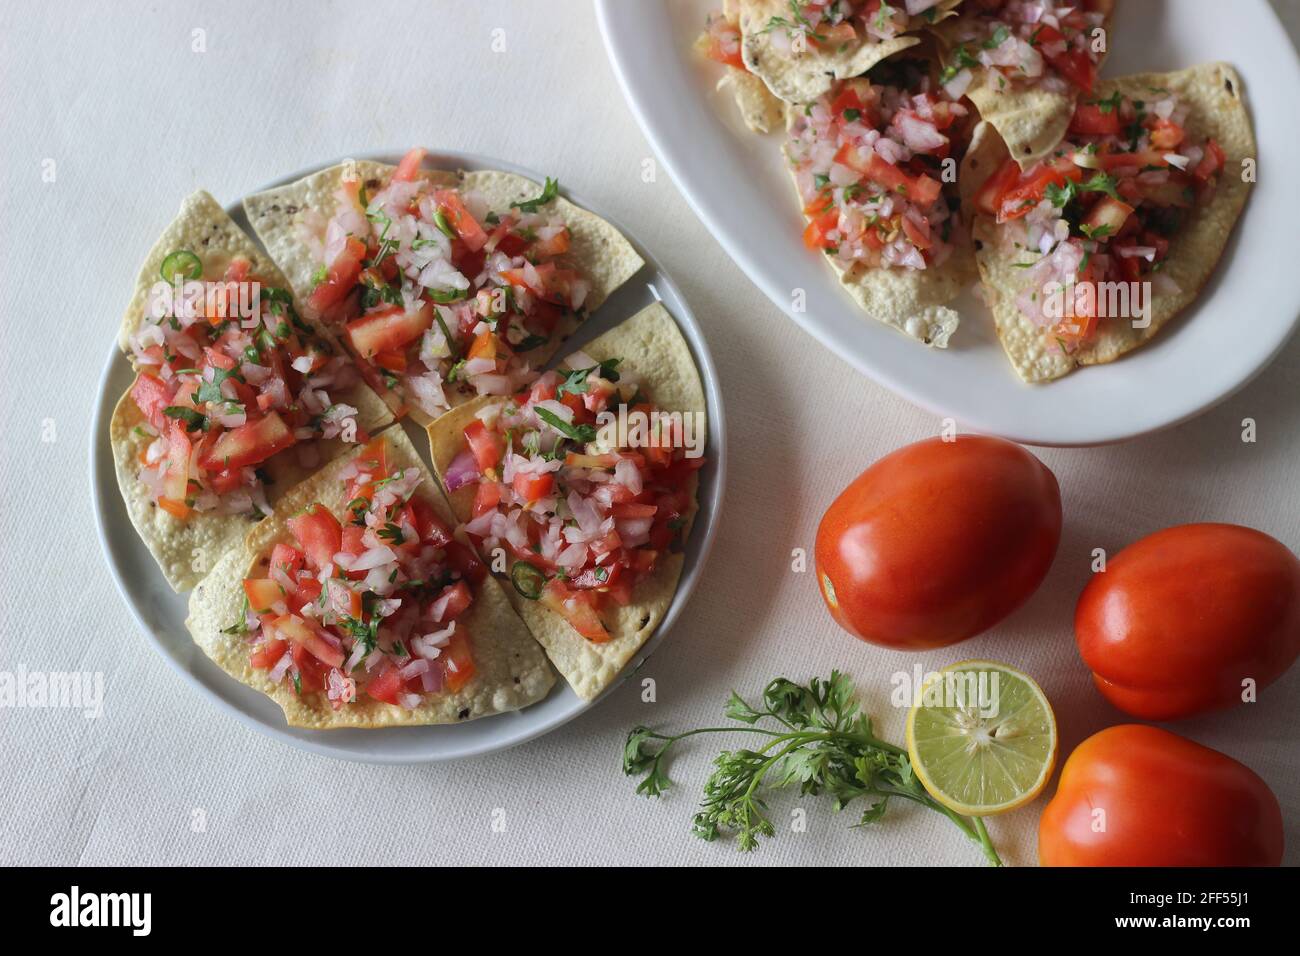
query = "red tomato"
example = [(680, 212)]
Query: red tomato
[(1141, 796), (431, 529), (226, 480), (1077, 68), (922, 189), (459, 597), (151, 396), (267, 654), (409, 167), (262, 593), (1214, 161), (1107, 217), (816, 234), (319, 533), (287, 559), (341, 276), (387, 686), (989, 198), (487, 497), (388, 329), (464, 560), (1018, 200), (249, 444), (486, 445), (575, 607), (308, 636), (458, 660), (1090, 120), (556, 245), (460, 219), (1179, 619), (1166, 134), (938, 541), (532, 487), (176, 478)]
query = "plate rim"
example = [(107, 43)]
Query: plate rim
[(613, 17), (102, 471)]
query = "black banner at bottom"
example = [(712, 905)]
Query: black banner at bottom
[(244, 904)]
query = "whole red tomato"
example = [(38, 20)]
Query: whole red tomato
[(1179, 619), (938, 541), (1141, 796)]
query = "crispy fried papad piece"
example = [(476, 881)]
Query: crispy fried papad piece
[(1215, 94), (605, 258), (511, 671), (914, 301), (1030, 120), (797, 68), (651, 344), (185, 549), (761, 111)]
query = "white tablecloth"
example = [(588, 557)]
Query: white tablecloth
[(133, 119)]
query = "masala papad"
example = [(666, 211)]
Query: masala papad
[(510, 670), (650, 345), (1217, 112)]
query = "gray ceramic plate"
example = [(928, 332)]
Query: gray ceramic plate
[(161, 613)]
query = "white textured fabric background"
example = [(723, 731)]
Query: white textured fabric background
[(135, 120)]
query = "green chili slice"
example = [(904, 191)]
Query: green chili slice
[(181, 263), (444, 227), (528, 580)]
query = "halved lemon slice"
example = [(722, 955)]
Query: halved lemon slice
[(982, 738)]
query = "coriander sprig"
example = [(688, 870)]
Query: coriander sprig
[(820, 743)]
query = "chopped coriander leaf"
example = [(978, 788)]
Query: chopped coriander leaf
[(391, 532), (1110, 103), (575, 383), (997, 39), (579, 433), (211, 391), (446, 334), (193, 421), (1097, 233), (549, 192)]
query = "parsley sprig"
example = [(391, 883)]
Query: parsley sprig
[(817, 740)]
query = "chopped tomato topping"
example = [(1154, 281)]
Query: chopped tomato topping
[(458, 660), (262, 594), (319, 533), (485, 444), (1090, 119), (409, 167), (341, 276), (460, 219), (388, 329), (577, 608), (250, 444), (533, 487), (307, 635)]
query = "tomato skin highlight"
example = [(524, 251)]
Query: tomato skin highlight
[(938, 541), (1181, 617), (1169, 801)]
